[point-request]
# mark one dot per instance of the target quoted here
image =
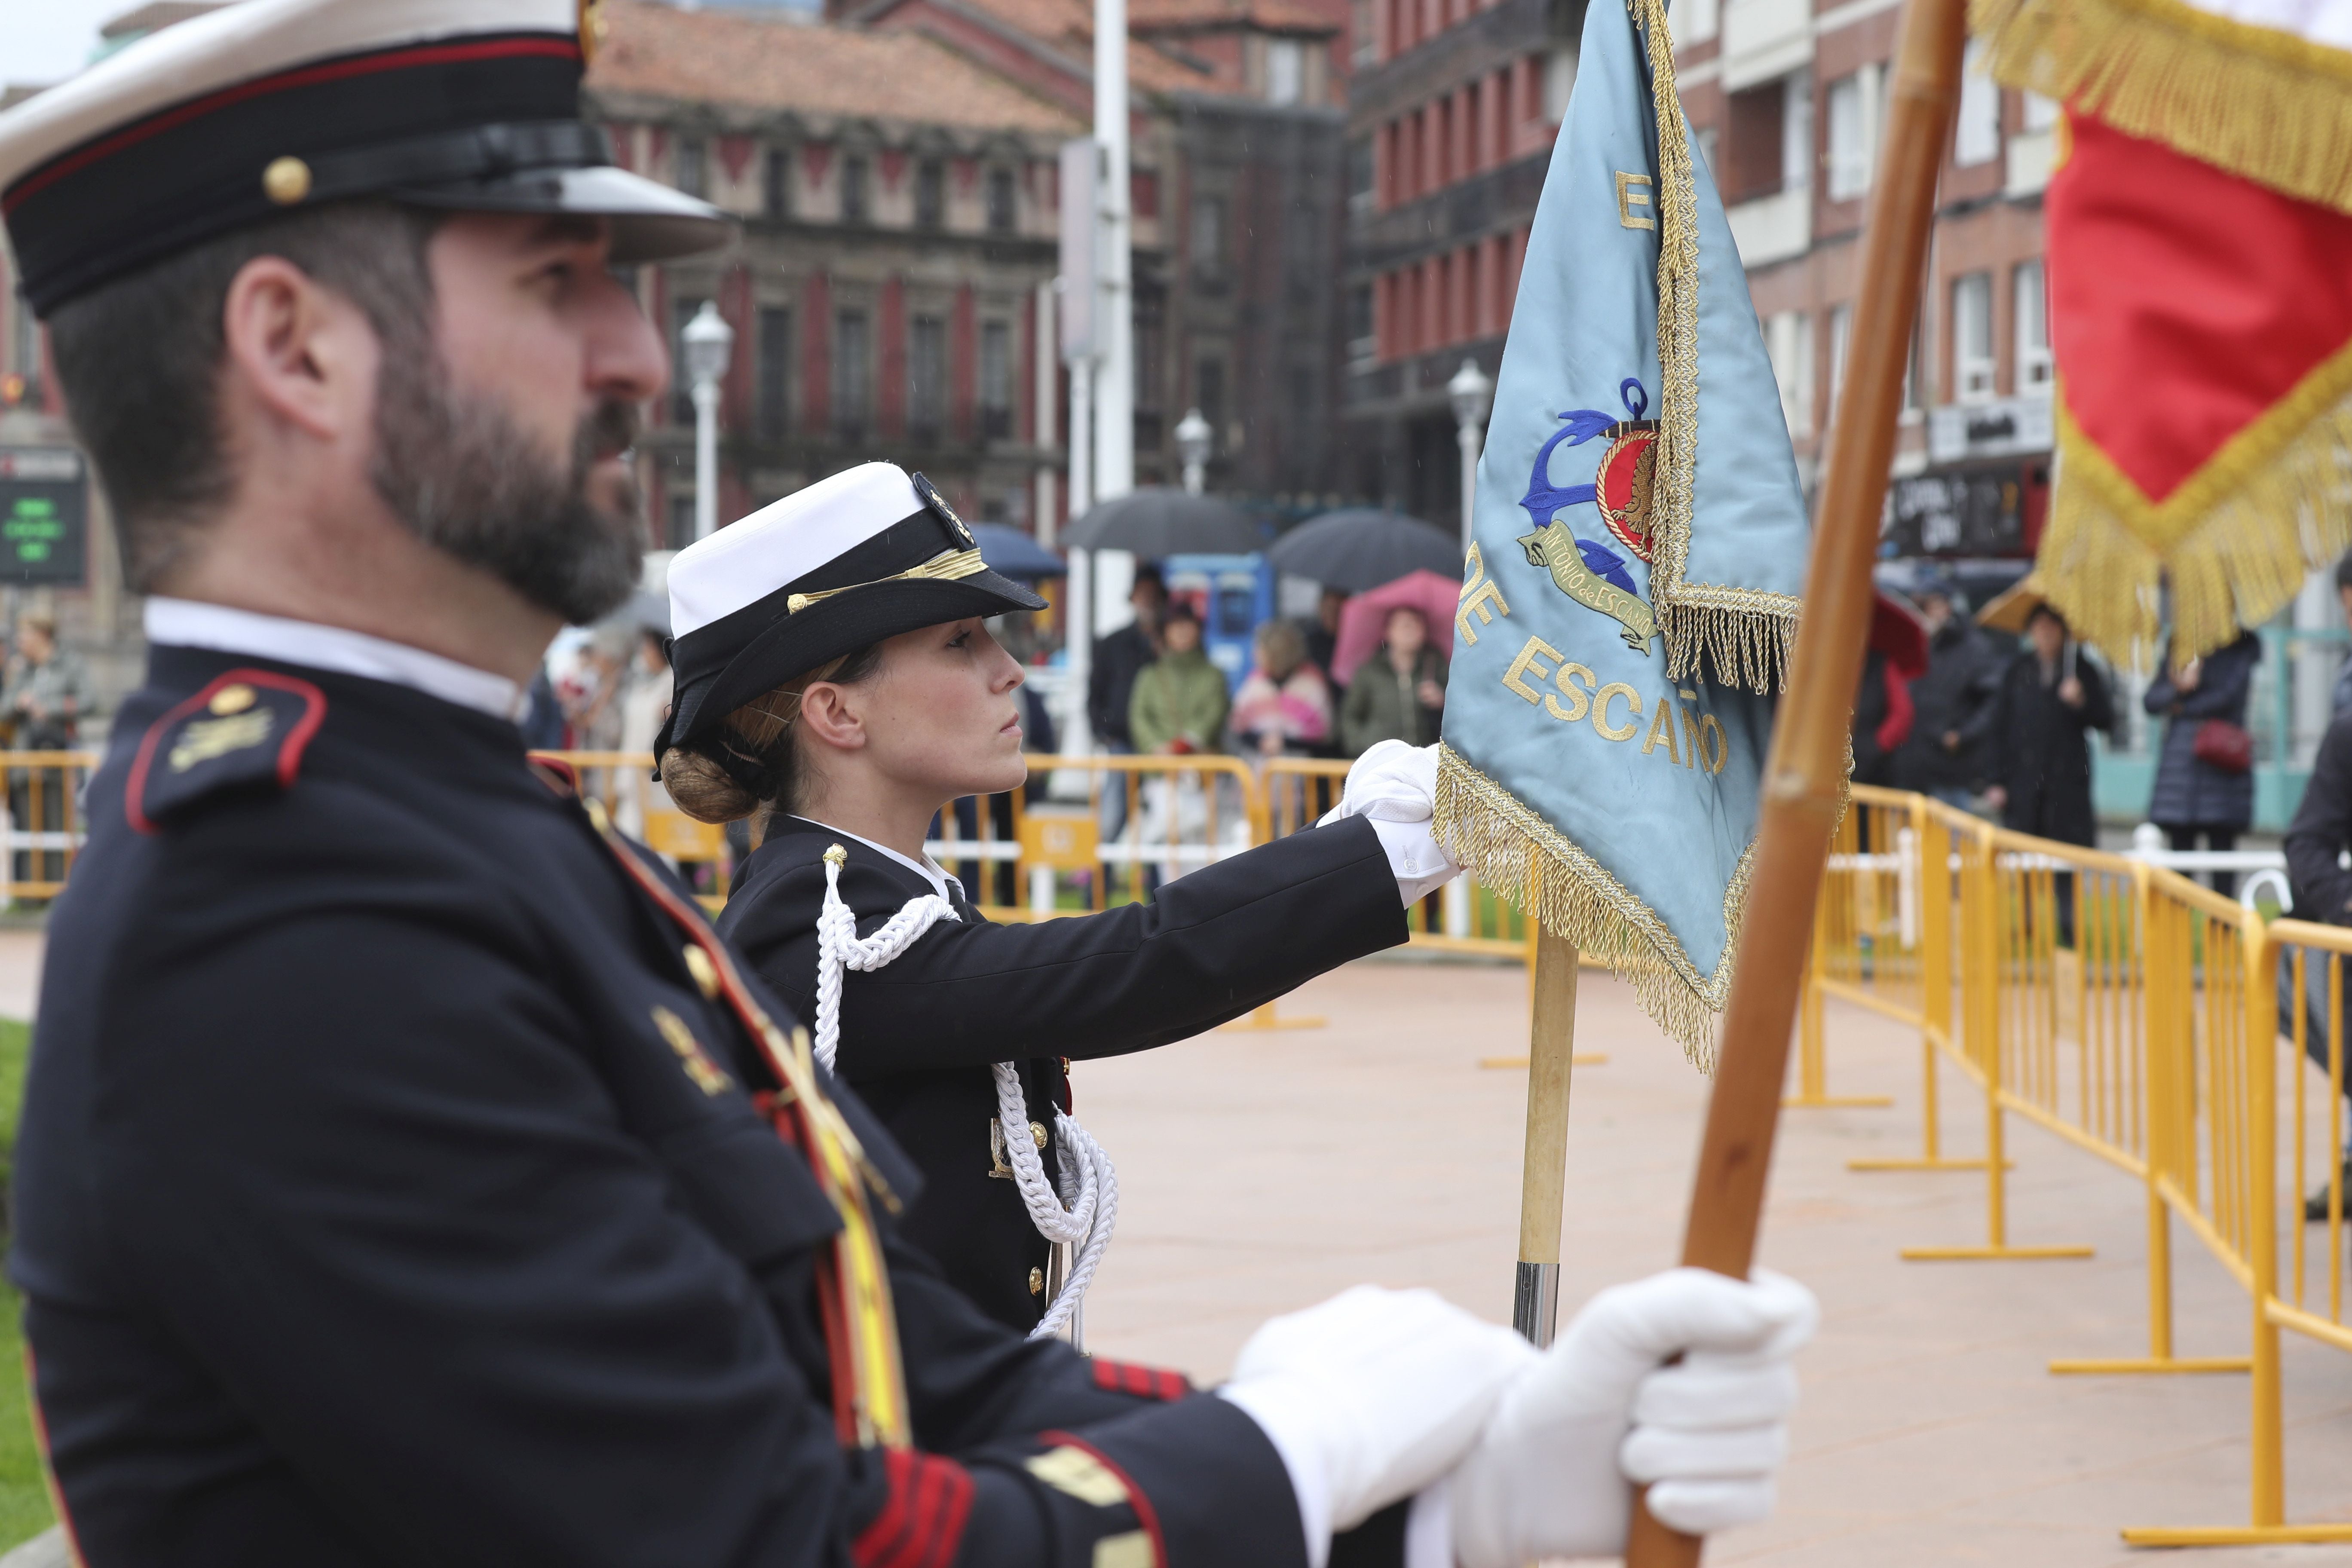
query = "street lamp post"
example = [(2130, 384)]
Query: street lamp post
[(1193, 438), (709, 341), (1471, 393)]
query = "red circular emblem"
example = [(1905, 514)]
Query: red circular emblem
[(1621, 487)]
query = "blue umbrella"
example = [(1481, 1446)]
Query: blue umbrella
[(1015, 554)]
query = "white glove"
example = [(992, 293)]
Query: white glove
[(1395, 787), (1550, 1476), (1372, 1396)]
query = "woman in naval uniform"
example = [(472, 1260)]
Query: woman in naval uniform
[(836, 683)]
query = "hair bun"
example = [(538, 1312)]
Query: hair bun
[(703, 789)]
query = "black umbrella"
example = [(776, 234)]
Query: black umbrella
[(1156, 523), (1361, 548), (1009, 552)]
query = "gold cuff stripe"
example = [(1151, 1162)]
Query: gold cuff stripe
[(947, 566)]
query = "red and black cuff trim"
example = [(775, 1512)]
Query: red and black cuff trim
[(246, 727), (196, 168), (1144, 1381), (922, 1520), (1147, 1518)]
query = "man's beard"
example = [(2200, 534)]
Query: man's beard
[(459, 471)]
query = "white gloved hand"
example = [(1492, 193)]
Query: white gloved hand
[(1551, 1475), (1372, 1396), (1394, 786)]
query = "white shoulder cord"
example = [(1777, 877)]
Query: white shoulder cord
[(1087, 1209)]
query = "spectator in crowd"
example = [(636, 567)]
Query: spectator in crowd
[(1119, 659), (542, 721), (1941, 757), (1283, 708), (644, 703), (1883, 714), (46, 696), (2038, 726), (1399, 693), (2204, 781), (1179, 701), (47, 689), (2322, 890), (1323, 639)]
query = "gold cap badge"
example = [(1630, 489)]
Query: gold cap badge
[(593, 27), (286, 181), (231, 699)]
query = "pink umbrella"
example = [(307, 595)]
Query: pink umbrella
[(1365, 619)]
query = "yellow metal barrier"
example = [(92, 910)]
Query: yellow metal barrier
[(42, 831), (2134, 1014)]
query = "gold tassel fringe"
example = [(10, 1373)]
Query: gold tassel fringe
[(1507, 847), (1744, 635), (2260, 103), (2244, 557)]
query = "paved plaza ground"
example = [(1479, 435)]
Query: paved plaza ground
[(1263, 1172)]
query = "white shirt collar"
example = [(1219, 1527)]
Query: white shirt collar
[(188, 623), (927, 867)]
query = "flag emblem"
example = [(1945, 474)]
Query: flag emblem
[(1586, 570)]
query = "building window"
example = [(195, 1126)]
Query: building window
[(853, 376), (1797, 131), (1286, 70), (1359, 174), (1209, 393), (852, 190), (995, 381), (1703, 139), (1558, 82), (774, 412), (1754, 144), (1208, 236), (776, 182), (1915, 373), (681, 519), (931, 194), (1361, 327), (1851, 105), (1841, 338), (1972, 361), (691, 158), (682, 310), (1789, 339), (1366, 48), (24, 347), (2034, 365), (926, 379), (2041, 114), (1004, 209), (1975, 138)]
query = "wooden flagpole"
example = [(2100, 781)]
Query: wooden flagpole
[(1804, 775), (1551, 1048)]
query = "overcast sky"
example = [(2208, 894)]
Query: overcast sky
[(47, 40)]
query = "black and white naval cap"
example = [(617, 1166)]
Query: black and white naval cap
[(864, 555), (271, 106)]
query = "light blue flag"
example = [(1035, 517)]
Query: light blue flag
[(1639, 541)]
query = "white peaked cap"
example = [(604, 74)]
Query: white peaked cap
[(784, 542)]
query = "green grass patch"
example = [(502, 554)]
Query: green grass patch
[(25, 1510)]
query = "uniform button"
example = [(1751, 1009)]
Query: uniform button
[(705, 973), (1036, 1282), (1037, 1133)]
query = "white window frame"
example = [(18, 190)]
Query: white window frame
[(1845, 108), (1841, 336), (1797, 131), (1286, 70), (1974, 364), (2030, 309), (1789, 342), (1976, 135)]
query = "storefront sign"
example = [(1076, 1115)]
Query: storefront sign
[(2011, 427), (43, 516)]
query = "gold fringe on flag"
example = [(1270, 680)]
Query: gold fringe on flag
[(1744, 633), (2234, 543), (1506, 847), (2259, 103)]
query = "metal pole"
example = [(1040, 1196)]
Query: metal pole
[(1115, 331), (1078, 625), (706, 457), (1472, 440), (1804, 774), (1045, 396)]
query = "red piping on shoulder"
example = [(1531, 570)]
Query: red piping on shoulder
[(1145, 1514), (1146, 1381), (289, 749)]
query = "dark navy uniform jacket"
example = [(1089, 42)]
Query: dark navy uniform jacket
[(368, 1211), (917, 1035)]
